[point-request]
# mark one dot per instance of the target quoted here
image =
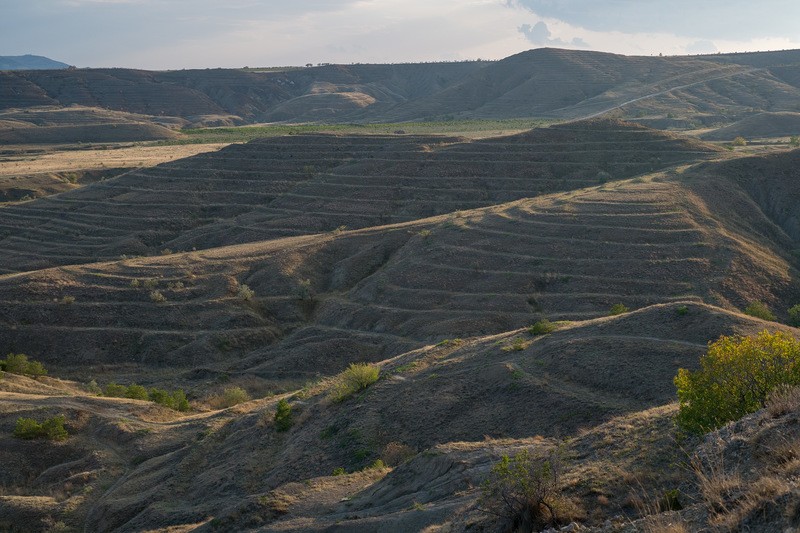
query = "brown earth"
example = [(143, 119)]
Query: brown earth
[(305, 184), (76, 124), (564, 84), (454, 408), (28, 172), (451, 248), (762, 125)]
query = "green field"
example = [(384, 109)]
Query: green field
[(467, 128)]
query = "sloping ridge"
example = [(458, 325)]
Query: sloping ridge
[(305, 184), (322, 301), (761, 125), (450, 402), (564, 84)]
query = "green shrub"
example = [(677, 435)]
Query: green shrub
[(760, 310), (27, 428), (93, 388), (136, 392), (157, 297), (794, 140), (246, 293), (794, 316), (53, 428), (378, 464), (174, 400), (618, 309), (160, 396), (179, 401), (542, 327), (525, 491), (234, 396), (50, 429), (283, 416), (682, 310), (305, 291), (739, 141), (357, 377), (339, 471), (20, 364), (736, 376), (113, 390)]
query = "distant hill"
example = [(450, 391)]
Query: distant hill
[(30, 62), (686, 91)]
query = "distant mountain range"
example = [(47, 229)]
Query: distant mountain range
[(679, 92), (30, 62)]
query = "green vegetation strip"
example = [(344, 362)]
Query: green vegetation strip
[(451, 127)]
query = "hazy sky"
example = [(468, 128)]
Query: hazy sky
[(161, 34)]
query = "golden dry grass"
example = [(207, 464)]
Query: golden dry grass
[(58, 161)]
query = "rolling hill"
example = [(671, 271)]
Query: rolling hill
[(30, 62), (562, 84), (273, 265)]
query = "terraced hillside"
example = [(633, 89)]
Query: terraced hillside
[(448, 411), (56, 125), (565, 84), (452, 248), (307, 184), (322, 301)]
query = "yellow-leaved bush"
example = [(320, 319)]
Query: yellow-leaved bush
[(735, 377)]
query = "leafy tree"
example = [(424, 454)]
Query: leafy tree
[(525, 491), (283, 416), (736, 376), (53, 428), (618, 309), (179, 401), (760, 310), (50, 429), (794, 316), (113, 390), (136, 392), (20, 364), (234, 396), (357, 377), (542, 327), (27, 428)]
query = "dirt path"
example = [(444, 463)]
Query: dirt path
[(667, 91)]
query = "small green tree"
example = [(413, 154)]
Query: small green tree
[(542, 327), (760, 310), (357, 377), (50, 429), (618, 309), (283, 416), (736, 376), (27, 428), (179, 401), (794, 316), (20, 364), (794, 140), (136, 392), (525, 491), (234, 396), (739, 141), (113, 390), (53, 428)]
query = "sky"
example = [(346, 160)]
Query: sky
[(174, 34)]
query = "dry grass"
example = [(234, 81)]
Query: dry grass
[(783, 400), (54, 161), (664, 523)]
